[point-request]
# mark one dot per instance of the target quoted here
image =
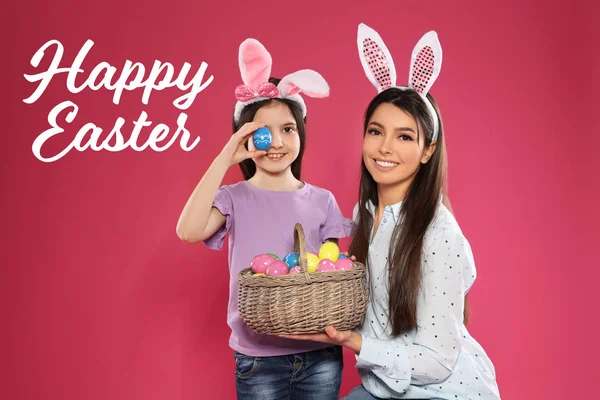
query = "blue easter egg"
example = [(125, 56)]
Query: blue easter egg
[(291, 260), (342, 256), (262, 138)]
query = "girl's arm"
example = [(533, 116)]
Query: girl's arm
[(199, 220)]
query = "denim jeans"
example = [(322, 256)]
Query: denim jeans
[(315, 375)]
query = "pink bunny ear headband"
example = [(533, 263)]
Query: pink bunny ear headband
[(425, 65), (255, 67)]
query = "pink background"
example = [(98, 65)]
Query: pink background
[(100, 299)]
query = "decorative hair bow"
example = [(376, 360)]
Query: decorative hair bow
[(255, 67), (425, 65)]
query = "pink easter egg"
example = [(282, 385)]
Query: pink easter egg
[(325, 265), (344, 264), (277, 268), (295, 270), (261, 263)]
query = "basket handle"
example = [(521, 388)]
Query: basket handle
[(300, 248)]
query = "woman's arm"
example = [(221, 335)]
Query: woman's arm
[(431, 357)]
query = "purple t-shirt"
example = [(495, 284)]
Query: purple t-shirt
[(262, 221)]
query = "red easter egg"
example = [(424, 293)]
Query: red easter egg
[(325, 265), (277, 268), (344, 264), (261, 263)]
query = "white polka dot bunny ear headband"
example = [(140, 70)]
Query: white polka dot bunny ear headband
[(425, 65), (255, 67)]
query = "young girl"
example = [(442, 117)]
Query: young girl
[(259, 213), (413, 343)]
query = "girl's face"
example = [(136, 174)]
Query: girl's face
[(285, 141), (392, 152)]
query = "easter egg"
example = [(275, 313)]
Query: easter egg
[(277, 268), (295, 270), (258, 274), (343, 255), (291, 260), (329, 250), (262, 138), (325, 265), (261, 263), (312, 260), (344, 264), (274, 256)]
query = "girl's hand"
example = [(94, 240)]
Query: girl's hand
[(234, 151), (349, 339)]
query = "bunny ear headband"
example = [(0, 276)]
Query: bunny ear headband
[(425, 65), (255, 67)]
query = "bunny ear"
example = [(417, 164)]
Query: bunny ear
[(306, 81), (426, 63), (255, 63), (375, 58)]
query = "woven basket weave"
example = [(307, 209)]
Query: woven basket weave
[(304, 302)]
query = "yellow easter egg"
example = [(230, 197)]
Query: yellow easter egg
[(312, 260), (329, 250), (259, 274)]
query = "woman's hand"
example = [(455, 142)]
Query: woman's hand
[(349, 339)]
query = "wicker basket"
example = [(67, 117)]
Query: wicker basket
[(304, 302)]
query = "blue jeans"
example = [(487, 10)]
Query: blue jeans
[(315, 375)]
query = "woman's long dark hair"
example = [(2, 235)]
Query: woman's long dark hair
[(248, 166), (417, 211)]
